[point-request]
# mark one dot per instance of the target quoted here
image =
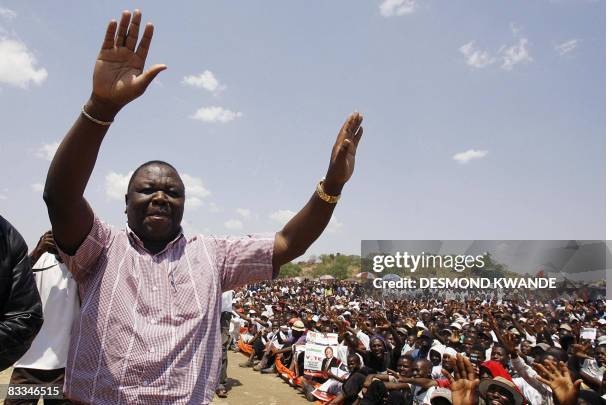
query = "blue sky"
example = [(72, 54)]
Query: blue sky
[(483, 120)]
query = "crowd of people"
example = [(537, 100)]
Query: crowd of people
[(139, 314), (503, 351)]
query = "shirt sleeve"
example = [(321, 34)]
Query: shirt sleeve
[(529, 375), (244, 260), (82, 263)]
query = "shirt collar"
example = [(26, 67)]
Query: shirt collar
[(135, 240)]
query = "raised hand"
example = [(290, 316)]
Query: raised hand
[(46, 243), (508, 340), (119, 75), (558, 378), (464, 384), (342, 162)]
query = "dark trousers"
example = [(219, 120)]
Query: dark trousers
[(34, 376), (225, 342)]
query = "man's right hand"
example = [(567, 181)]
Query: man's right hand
[(119, 75)]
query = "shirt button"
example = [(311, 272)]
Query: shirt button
[(180, 318), (153, 321), (145, 383), (151, 350), (154, 288)]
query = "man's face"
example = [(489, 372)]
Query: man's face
[(448, 362), (499, 354), (353, 363), (468, 343), (497, 395), (600, 355), (155, 203), (422, 369), (404, 368), (435, 357), (377, 347)]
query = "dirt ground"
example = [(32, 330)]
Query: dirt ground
[(245, 386)]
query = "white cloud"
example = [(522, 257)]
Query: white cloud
[(244, 212), (18, 65), (516, 54), (38, 187), (215, 114), (468, 155), (192, 203), (194, 186), (47, 150), (391, 8), (282, 216), (205, 80), (194, 191), (474, 57), (8, 14), (117, 184), (233, 224), (566, 47), (212, 207)]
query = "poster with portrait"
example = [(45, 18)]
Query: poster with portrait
[(321, 348)]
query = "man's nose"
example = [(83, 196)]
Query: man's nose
[(159, 197)]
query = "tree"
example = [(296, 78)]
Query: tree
[(290, 270)]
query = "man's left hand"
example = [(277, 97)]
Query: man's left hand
[(342, 162)]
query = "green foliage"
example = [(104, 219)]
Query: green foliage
[(336, 265), (290, 270)]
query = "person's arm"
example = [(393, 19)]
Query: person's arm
[(308, 224), (118, 78), (21, 317), (529, 375)]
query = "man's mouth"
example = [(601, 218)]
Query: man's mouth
[(159, 214)]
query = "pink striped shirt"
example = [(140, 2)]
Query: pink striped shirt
[(148, 331)]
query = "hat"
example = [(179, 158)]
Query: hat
[(442, 393), (543, 346), (601, 340), (485, 384), (420, 324), (252, 311), (455, 325), (601, 321), (565, 327), (298, 326), (403, 331)]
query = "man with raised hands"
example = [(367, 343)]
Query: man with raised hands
[(149, 328)]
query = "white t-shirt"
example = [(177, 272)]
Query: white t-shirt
[(60, 302), (226, 301)]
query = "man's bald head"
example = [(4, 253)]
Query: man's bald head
[(147, 164)]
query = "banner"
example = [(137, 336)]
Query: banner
[(319, 346)]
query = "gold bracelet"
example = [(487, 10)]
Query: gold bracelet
[(92, 119), (331, 199)]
